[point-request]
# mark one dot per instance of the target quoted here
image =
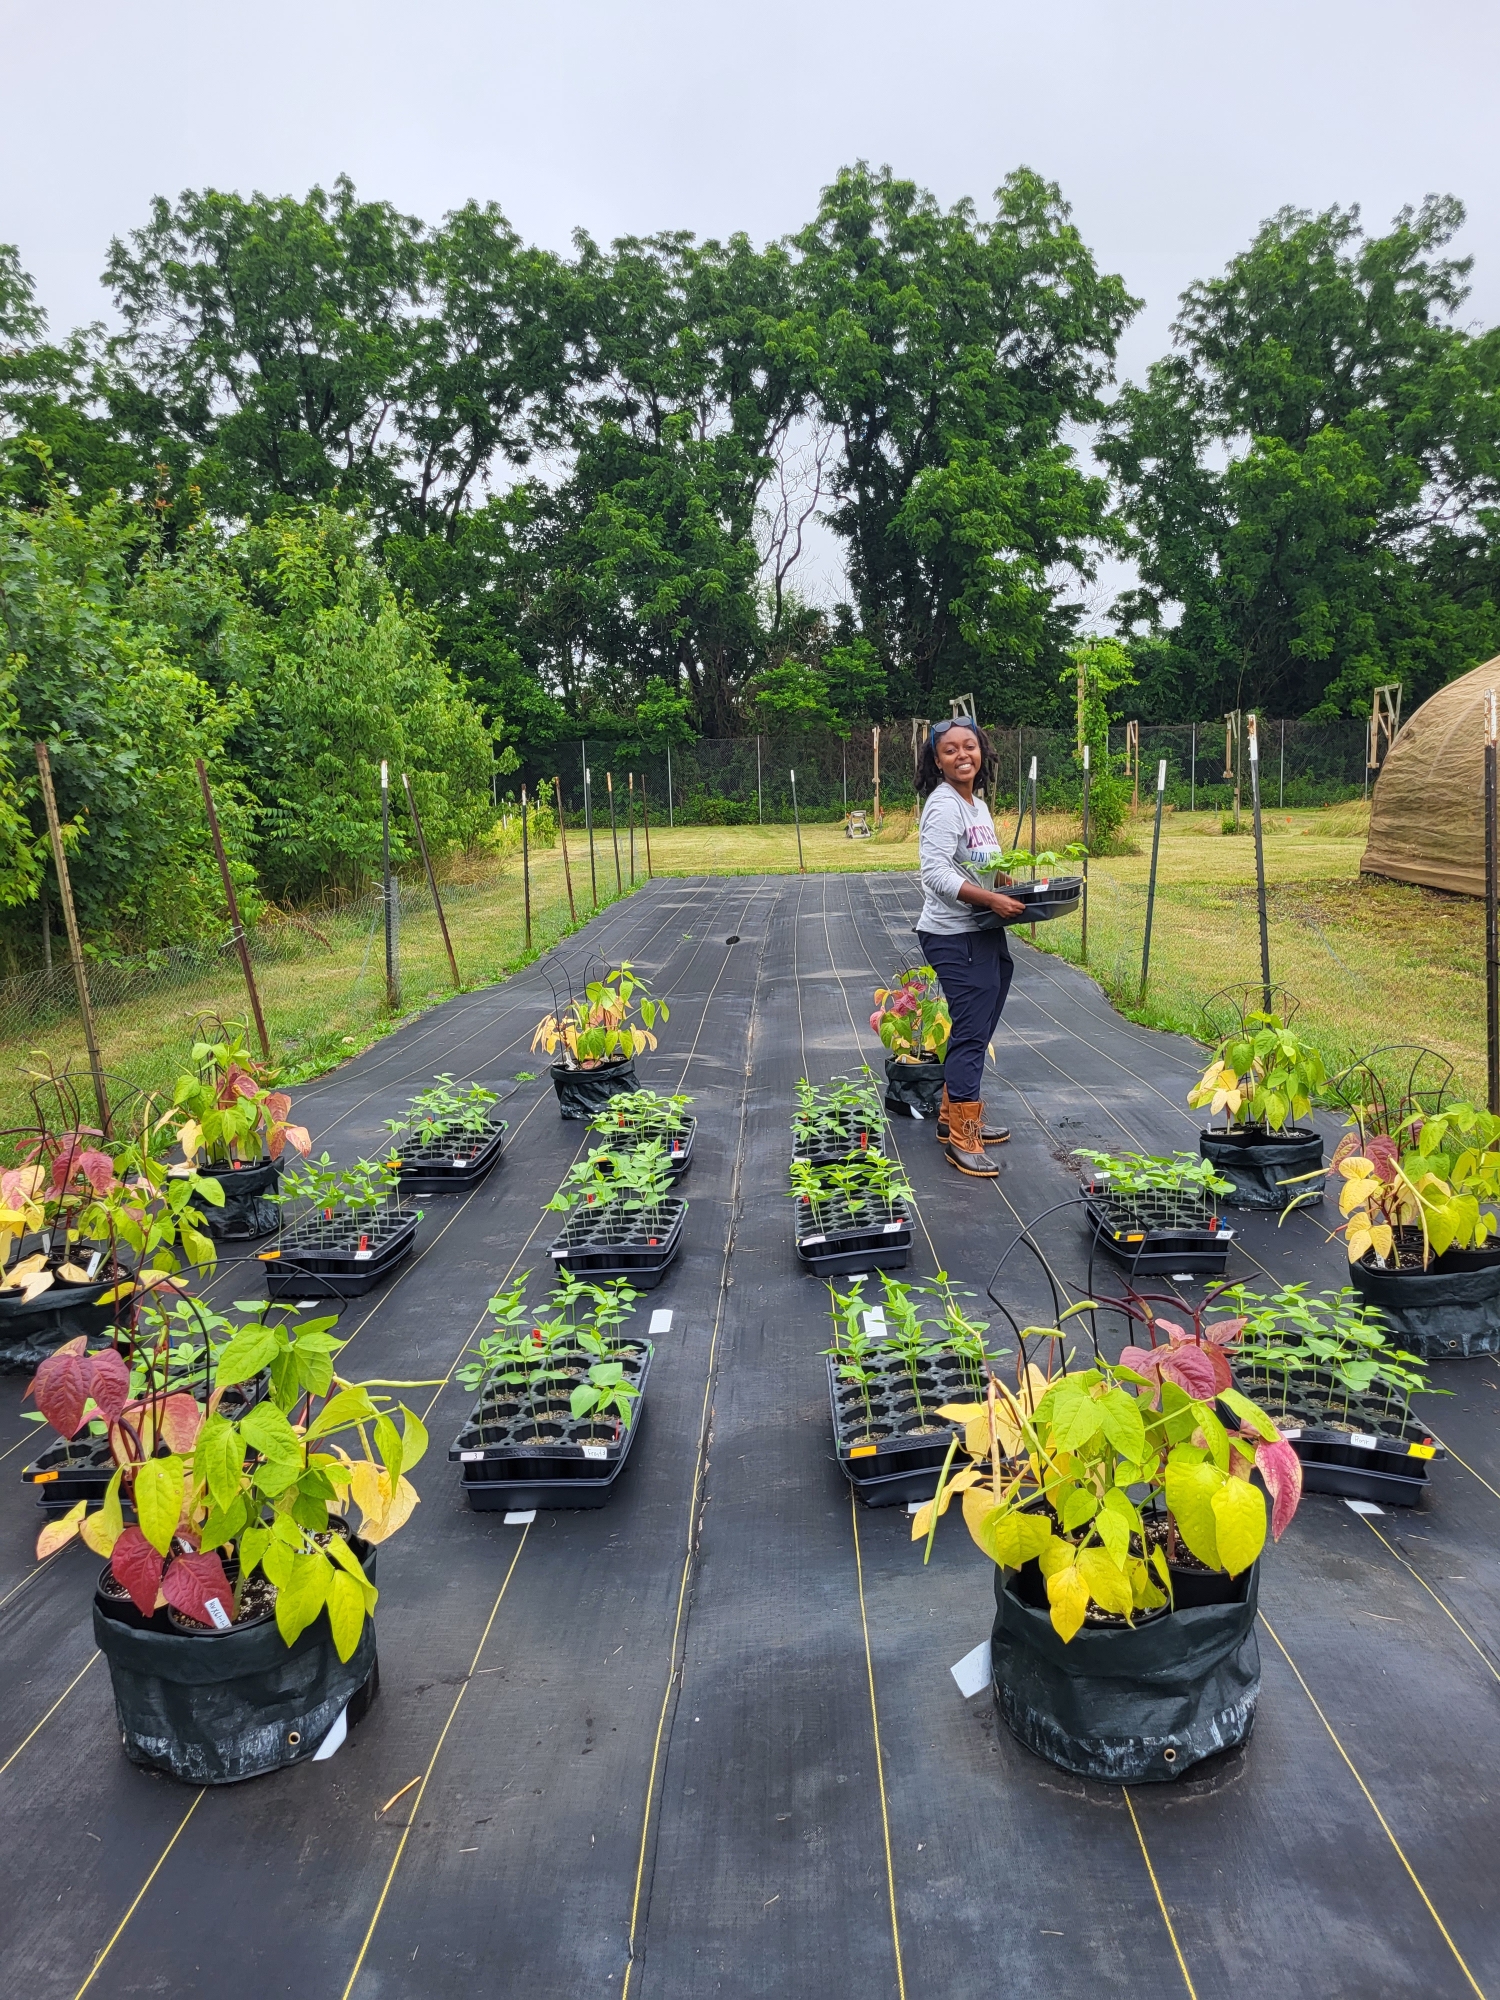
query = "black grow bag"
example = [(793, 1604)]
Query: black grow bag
[(506, 1466), (452, 1163), (1128, 1706), (29, 1332), (914, 1089), (339, 1257), (1058, 897), (248, 1210), (1260, 1164), (583, 1093), (1441, 1314), (1153, 1249), (211, 1708)]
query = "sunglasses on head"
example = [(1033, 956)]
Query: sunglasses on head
[(954, 722)]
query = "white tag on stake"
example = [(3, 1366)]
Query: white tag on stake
[(1363, 1507), (972, 1672), (520, 1520), (216, 1611)]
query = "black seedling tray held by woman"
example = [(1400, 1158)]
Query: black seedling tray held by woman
[(452, 1164), (1155, 1251), (339, 1255), (837, 1239), (609, 1243), (1058, 897), (890, 1453), (509, 1466)]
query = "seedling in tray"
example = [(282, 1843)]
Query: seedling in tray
[(841, 1119), (622, 1221), (635, 1118), (891, 1369), (1157, 1212), (559, 1398), (449, 1137), (353, 1230), (852, 1214)]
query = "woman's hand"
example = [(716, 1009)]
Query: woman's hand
[(991, 899)]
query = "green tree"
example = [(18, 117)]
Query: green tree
[(1312, 476), (953, 355)]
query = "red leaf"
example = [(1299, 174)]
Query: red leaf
[(1384, 1155), (1223, 1374), (1143, 1360), (108, 1382), (97, 1168), (1225, 1332), (137, 1565), (277, 1104), (181, 1420), (1281, 1469), (192, 1581), (1172, 1329), (241, 1082), (61, 1389), (1191, 1369)]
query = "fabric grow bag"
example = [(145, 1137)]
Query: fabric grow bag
[(914, 1089), (1127, 1706), (216, 1707), (248, 1210), (30, 1331), (583, 1093), (1259, 1164), (1441, 1314)]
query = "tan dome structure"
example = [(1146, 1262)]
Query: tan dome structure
[(1427, 815)]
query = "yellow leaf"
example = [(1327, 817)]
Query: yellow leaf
[(1106, 1583), (1382, 1239), (98, 1534), (370, 1490), (1357, 1242), (396, 1515), (57, 1534), (190, 1138), (1068, 1595), (1239, 1524)]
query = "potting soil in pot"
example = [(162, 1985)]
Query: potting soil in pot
[(213, 1707), (1266, 1169), (1127, 1705)]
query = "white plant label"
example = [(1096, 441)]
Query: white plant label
[(519, 1519), (596, 1451), (1363, 1507), (661, 1320), (972, 1672), (472, 1457), (216, 1611), (1364, 1440), (361, 1255)]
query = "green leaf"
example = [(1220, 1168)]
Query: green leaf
[(223, 1524), (1190, 1492), (346, 1612), (250, 1350), (1215, 1436), (268, 1431), (304, 1593), (1124, 1425), (388, 1444), (254, 1542), (1240, 1521), (413, 1439), (1080, 1506), (1114, 1531), (1010, 1538), (349, 1406), (1249, 1413), (1077, 1419), (158, 1500), (219, 1459)]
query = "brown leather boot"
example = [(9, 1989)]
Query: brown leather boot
[(965, 1148), (990, 1135)]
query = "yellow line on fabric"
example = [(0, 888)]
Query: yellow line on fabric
[(1161, 1901), (1467, 1467), (1380, 1816), (885, 1817), (49, 1715), (1446, 1610), (687, 1561), (45, 1563), (119, 1928), (416, 1803)]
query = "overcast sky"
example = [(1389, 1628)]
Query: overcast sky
[(1173, 129)]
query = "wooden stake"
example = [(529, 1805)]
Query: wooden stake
[(796, 815), (1161, 788), (242, 943), (562, 834), (630, 817), (646, 819), (392, 919), (526, 866), (878, 821), (1088, 779), (614, 831), (75, 943), (437, 901)]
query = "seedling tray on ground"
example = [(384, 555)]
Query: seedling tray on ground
[(454, 1164), (837, 1140), (608, 1243), (506, 1465), (1058, 897), (1152, 1248), (1378, 1456), (877, 1238), (81, 1468), (341, 1256), (879, 1454)]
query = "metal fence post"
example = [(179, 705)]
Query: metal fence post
[(1193, 778), (526, 866), (760, 803), (646, 822), (614, 831), (630, 816), (75, 942), (1260, 862), (671, 822), (1161, 788), (588, 821), (392, 919)]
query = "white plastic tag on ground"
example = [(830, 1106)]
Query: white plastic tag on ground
[(875, 1321), (661, 1320), (334, 1738), (972, 1672), (520, 1520), (1363, 1507), (915, 1506)]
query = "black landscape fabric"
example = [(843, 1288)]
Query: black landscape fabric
[(704, 1740)]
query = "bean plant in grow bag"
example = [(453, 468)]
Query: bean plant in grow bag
[(1427, 1189), (912, 1017), (610, 1021), (228, 1114), (1264, 1075)]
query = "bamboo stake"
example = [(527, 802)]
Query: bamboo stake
[(75, 943), (416, 820), (562, 834), (614, 831), (242, 943), (526, 866), (646, 821)]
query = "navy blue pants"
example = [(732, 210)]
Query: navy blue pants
[(974, 970)]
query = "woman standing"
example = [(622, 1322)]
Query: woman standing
[(961, 926)]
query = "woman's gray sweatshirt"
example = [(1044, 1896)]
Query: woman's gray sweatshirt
[(957, 844)]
